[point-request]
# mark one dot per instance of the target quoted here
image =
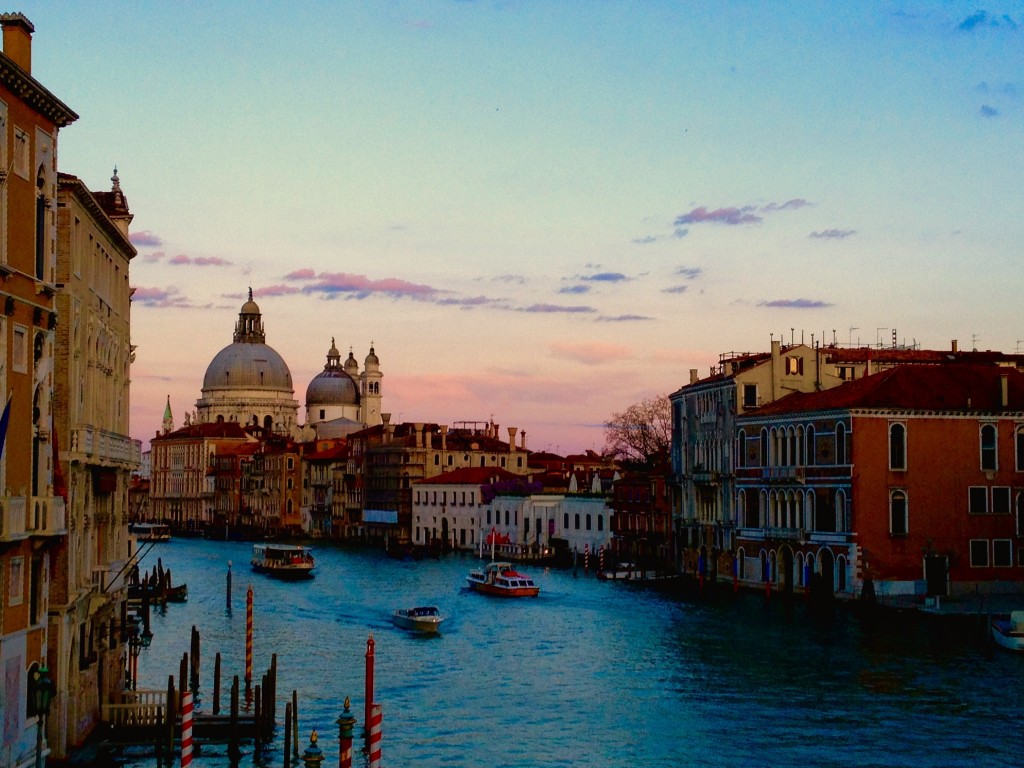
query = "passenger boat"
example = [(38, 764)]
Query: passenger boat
[(150, 531), (283, 561), (1008, 630), (503, 580), (424, 618), (632, 572)]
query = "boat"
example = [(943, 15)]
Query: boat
[(503, 580), (283, 561), (633, 572), (424, 618), (150, 531), (1008, 630)]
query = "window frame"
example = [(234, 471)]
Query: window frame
[(971, 553), (897, 446), (900, 495), (1007, 561), (988, 454), (972, 495)]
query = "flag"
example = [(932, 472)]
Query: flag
[(3, 422)]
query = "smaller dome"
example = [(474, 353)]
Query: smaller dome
[(332, 388), (371, 359)]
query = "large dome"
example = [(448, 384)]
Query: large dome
[(333, 385), (247, 365)]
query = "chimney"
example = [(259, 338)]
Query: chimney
[(418, 426), (693, 376), (512, 439), (18, 39), (444, 437), (955, 345), (522, 440), (1004, 389), (430, 438)]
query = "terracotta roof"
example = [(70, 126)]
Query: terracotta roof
[(334, 452), (470, 476), (222, 429), (913, 387)]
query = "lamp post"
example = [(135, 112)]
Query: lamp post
[(42, 695), (136, 642)]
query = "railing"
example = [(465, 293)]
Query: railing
[(785, 534), (108, 577), (12, 518), (137, 708), (46, 516), (101, 444), (830, 537)]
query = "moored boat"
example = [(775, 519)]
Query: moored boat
[(503, 580), (283, 561), (1008, 630), (424, 618), (150, 531)]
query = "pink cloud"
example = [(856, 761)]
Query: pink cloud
[(301, 274), (200, 261), (145, 239), (159, 297), (360, 285), (274, 290)]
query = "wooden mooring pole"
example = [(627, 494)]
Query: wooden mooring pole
[(216, 684), (194, 671), (234, 750), (287, 735)]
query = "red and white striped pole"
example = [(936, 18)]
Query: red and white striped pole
[(586, 558), (186, 729), (376, 723), (248, 637), (369, 685)]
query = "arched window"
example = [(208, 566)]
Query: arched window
[(897, 446), (1020, 449), (988, 447), (840, 444), (565, 521), (764, 448), (841, 573), (588, 521), (898, 521), (577, 520), (741, 449), (600, 523), (809, 439)]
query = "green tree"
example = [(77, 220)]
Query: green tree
[(641, 432)]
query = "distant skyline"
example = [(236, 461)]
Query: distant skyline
[(543, 212)]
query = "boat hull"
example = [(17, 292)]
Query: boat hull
[(285, 572), (1006, 637), (425, 624), (491, 589)]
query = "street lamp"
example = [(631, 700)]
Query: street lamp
[(42, 695), (136, 642)]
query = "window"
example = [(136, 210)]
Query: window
[(437, 460), (21, 153), (979, 553), (1002, 553), (840, 443), (600, 522), (565, 521), (988, 447), (577, 520), (588, 522), (977, 500), (809, 439), (750, 395), (1020, 513), (764, 447), (1020, 449), (19, 349), (794, 366), (17, 582), (741, 449), (1001, 500), (897, 447), (898, 513)]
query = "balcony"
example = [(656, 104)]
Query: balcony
[(108, 578), (783, 474), (830, 537), (101, 445), (12, 518), (46, 516)]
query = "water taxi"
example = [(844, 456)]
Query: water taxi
[(283, 561), (503, 580), (424, 618), (150, 531)]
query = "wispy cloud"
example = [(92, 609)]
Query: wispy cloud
[(145, 239), (623, 318), (467, 302), (733, 215), (360, 286), (833, 234), (592, 353), (199, 261), (273, 290), (574, 289), (675, 289), (514, 279), (645, 240), (689, 273), (795, 304), (556, 309), (606, 277), (985, 20), (159, 297), (987, 111), (151, 258)]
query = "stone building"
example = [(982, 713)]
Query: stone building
[(93, 356)]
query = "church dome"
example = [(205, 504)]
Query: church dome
[(332, 386), (248, 365)]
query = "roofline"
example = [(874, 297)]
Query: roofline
[(33, 93), (91, 204)]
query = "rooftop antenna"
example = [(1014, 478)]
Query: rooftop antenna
[(852, 329), (878, 337), (974, 342), (1019, 342)]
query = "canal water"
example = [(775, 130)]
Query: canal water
[(590, 673)]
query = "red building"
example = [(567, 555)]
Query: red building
[(912, 478)]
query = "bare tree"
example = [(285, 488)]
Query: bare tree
[(640, 432)]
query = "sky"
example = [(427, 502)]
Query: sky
[(542, 212)]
